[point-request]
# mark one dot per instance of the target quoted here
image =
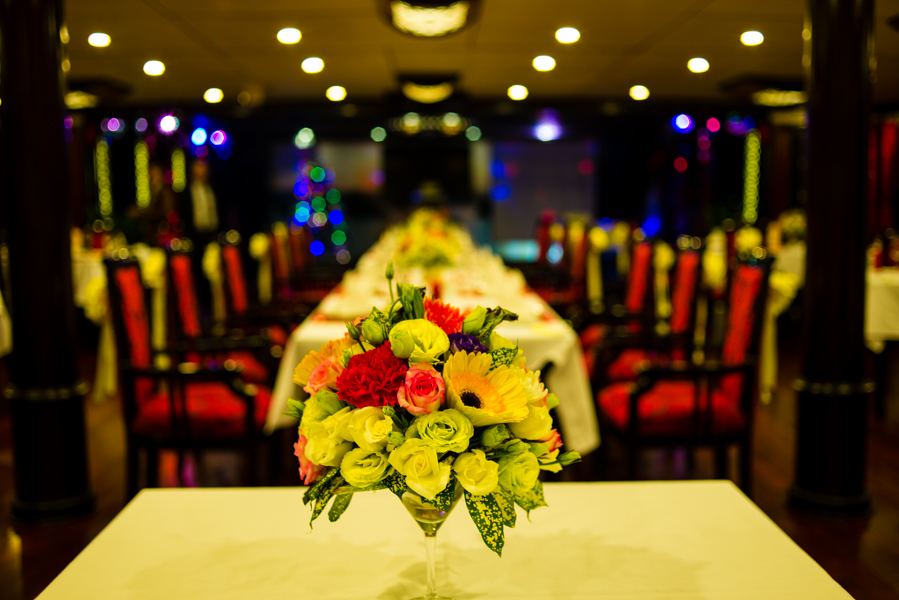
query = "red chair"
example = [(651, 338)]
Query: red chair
[(248, 352), (710, 404), (626, 354), (185, 407)]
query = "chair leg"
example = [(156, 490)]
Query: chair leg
[(152, 466), (721, 461), (746, 467)]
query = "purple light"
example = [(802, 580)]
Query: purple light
[(67, 122), (377, 177), (218, 137), (113, 124)]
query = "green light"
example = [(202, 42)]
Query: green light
[(333, 196), (317, 175), (341, 225), (338, 237), (318, 204), (751, 177)]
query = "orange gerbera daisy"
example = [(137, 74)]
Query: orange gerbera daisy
[(334, 349), (446, 317)]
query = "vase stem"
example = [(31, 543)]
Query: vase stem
[(431, 552)]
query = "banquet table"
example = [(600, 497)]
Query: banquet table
[(637, 540), (545, 340)]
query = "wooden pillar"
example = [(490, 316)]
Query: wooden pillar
[(832, 390), (46, 397)]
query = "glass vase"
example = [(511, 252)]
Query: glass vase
[(429, 518)]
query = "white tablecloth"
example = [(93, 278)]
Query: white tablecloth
[(881, 307), (791, 259), (544, 340), (86, 265), (634, 541)]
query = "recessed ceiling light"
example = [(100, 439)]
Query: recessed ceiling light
[(752, 38), (289, 35), (213, 95), (313, 64), (544, 63), (518, 92), (336, 93), (698, 65), (98, 40), (568, 35), (154, 67), (639, 92)]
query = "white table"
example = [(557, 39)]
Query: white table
[(648, 540), (881, 307), (543, 340)]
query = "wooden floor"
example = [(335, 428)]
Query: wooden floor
[(861, 554)]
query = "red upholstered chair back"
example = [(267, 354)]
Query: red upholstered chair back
[(638, 280), (683, 294), (748, 295), (280, 266), (234, 275), (185, 293), (297, 239)]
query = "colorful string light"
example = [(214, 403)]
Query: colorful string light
[(142, 174), (179, 171), (104, 185), (751, 177)]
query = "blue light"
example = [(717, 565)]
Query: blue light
[(497, 169), (682, 123), (336, 217), (198, 137), (317, 248), (501, 192), (606, 224), (416, 197), (651, 225), (300, 190), (749, 123), (555, 252)]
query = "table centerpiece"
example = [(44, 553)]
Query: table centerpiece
[(433, 405)]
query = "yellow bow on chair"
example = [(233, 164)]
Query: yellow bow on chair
[(783, 288), (599, 241), (260, 249), (96, 308), (662, 261), (152, 268), (212, 268)]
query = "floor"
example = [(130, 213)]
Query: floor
[(862, 554)]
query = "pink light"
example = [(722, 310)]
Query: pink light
[(113, 124), (713, 125), (680, 164), (67, 122), (218, 137), (704, 143)]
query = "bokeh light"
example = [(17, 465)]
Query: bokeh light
[(682, 123), (501, 192), (639, 92), (289, 35), (198, 137), (217, 137), (168, 124), (336, 217), (698, 65), (213, 95), (338, 238), (140, 125), (518, 92), (317, 174), (379, 134), (154, 68), (98, 40), (568, 35), (547, 132), (752, 38), (680, 163), (313, 64), (305, 138), (336, 93), (544, 63), (317, 248), (114, 125), (343, 257), (713, 125), (473, 133), (333, 196)]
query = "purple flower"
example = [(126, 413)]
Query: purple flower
[(464, 341)]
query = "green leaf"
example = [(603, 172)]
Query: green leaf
[(487, 515), (569, 458), (396, 483), (316, 490), (341, 502), (494, 317), (532, 499), (503, 357), (444, 499), (325, 495), (295, 408), (413, 301), (507, 505)]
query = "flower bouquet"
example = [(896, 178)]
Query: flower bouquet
[(433, 405)]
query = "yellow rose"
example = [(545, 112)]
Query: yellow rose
[(369, 428), (518, 472), (476, 474), (418, 462), (419, 340), (537, 425), (362, 468), (324, 450), (338, 424)]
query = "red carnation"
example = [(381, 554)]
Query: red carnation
[(446, 317), (372, 378)]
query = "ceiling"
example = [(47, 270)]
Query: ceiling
[(230, 44)]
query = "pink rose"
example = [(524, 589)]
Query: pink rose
[(309, 471), (324, 376), (423, 389), (553, 441)]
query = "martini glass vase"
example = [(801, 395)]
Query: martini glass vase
[(429, 518)]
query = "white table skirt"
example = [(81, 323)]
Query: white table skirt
[(543, 341), (649, 540), (881, 307)]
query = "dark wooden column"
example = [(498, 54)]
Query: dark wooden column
[(47, 399), (832, 391)]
